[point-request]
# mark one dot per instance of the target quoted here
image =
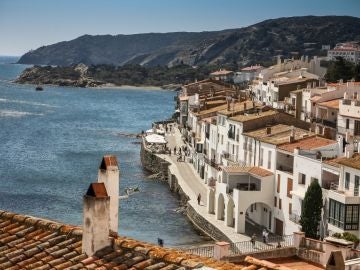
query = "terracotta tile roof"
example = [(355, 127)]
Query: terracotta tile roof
[(315, 98), (252, 68), (221, 72), (280, 134), (251, 170), (307, 144), (333, 104), (108, 162), (353, 162), (238, 107), (249, 117), (31, 243), (97, 190)]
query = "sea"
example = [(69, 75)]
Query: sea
[(51, 145)]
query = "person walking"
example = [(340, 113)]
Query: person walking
[(253, 238), (199, 198), (174, 150), (264, 235)]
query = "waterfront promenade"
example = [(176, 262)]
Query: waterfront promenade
[(192, 185)]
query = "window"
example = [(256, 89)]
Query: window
[(269, 160), (290, 208), (347, 123), (255, 206), (289, 187), (356, 186), (357, 127), (302, 179), (222, 139), (251, 208), (279, 203), (261, 157), (343, 216), (278, 184), (275, 201), (347, 180)]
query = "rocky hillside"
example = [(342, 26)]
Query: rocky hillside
[(257, 43)]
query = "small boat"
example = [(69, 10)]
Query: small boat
[(39, 88)]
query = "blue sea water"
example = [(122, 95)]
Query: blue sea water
[(51, 144)]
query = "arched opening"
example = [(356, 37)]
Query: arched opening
[(220, 210), (230, 213), (211, 201), (258, 217)]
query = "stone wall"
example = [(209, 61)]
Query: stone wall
[(204, 226), (153, 163), (157, 165), (284, 252)]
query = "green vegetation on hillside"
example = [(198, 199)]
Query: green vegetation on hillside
[(255, 44), (342, 70), (118, 75)]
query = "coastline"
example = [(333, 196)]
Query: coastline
[(132, 87), (103, 86)]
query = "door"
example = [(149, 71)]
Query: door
[(278, 227)]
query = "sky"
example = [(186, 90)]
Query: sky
[(29, 24)]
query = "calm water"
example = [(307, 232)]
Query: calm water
[(51, 143)]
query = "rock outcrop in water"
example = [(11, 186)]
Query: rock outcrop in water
[(64, 76)]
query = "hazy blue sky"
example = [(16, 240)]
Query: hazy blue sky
[(29, 24)]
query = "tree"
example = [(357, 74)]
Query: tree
[(357, 72), (311, 210), (340, 69)]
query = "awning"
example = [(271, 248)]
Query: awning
[(155, 138)]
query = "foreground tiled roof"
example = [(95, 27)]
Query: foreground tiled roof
[(31, 243)]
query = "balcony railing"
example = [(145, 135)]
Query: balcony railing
[(294, 217), (346, 102), (327, 123), (212, 163)]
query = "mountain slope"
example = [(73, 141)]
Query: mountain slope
[(256, 43)]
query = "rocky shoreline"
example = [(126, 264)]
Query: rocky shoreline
[(76, 76)]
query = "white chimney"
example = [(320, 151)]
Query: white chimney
[(96, 219), (109, 175)]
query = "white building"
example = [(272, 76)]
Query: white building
[(343, 197), (350, 51)]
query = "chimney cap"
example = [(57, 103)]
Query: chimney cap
[(108, 161), (97, 190)]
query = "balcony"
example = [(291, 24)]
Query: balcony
[(350, 196), (326, 122), (346, 102), (294, 217), (212, 163)]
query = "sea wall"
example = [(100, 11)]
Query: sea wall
[(202, 225), (154, 163), (157, 165)]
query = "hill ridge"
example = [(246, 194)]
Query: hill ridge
[(257, 43)]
